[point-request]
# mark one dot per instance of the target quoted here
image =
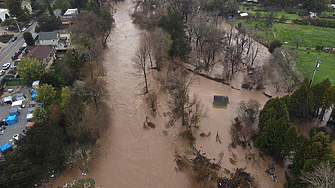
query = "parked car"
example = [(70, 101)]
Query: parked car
[(14, 57), (21, 48), (2, 72), (14, 38), (18, 52), (24, 45), (24, 29), (6, 66)]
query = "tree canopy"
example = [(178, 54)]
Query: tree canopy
[(174, 24), (31, 69), (62, 4), (14, 7), (28, 38), (46, 94), (48, 23)]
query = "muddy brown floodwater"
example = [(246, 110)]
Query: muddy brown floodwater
[(130, 156)]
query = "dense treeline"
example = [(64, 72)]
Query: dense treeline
[(74, 110), (278, 138)]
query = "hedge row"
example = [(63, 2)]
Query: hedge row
[(316, 22)]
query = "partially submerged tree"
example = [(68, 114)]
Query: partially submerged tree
[(141, 60), (323, 175), (183, 106)]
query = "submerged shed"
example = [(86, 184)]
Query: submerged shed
[(220, 100)]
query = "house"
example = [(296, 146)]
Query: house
[(70, 13), (252, 1), (48, 38), (244, 15), (41, 52), (313, 15), (4, 14), (220, 100), (69, 16), (27, 5)]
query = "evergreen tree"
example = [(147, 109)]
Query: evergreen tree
[(311, 152), (92, 6), (51, 11), (273, 123), (174, 24), (28, 38)]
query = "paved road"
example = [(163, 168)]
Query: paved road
[(8, 52)]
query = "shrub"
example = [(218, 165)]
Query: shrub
[(282, 19), (301, 22), (273, 45)]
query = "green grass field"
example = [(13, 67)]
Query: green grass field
[(307, 62), (311, 36)]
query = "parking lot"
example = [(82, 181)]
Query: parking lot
[(11, 130)]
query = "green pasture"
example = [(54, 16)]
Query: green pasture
[(307, 63)]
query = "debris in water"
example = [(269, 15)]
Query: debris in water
[(148, 124), (218, 138)]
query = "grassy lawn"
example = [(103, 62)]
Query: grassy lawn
[(307, 62), (17, 83), (5, 38), (311, 36)]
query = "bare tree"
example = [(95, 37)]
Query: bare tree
[(206, 53), (198, 28), (323, 176), (140, 62), (297, 41), (254, 54), (183, 106), (233, 55)]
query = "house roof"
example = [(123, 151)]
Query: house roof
[(47, 35), (221, 99), (70, 12), (40, 52), (25, 3)]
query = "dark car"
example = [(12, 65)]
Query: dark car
[(21, 48), (14, 57), (14, 38)]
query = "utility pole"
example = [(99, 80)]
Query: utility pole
[(17, 23), (317, 66)]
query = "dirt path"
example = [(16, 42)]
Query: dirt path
[(130, 156)]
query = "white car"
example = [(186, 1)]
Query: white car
[(16, 136), (24, 45), (24, 29), (2, 72), (6, 66)]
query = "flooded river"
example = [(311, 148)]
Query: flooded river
[(130, 156)]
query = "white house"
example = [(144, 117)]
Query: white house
[(26, 4), (4, 14), (48, 38)]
